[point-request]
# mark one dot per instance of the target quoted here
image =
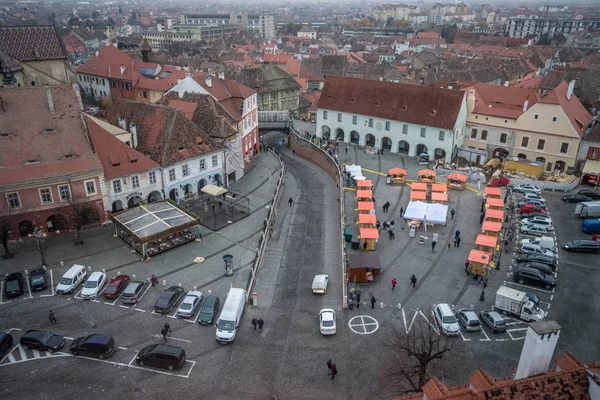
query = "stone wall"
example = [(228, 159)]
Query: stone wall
[(311, 153)]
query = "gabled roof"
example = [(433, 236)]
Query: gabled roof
[(31, 43), (8, 64), (116, 157), (53, 144), (108, 61), (502, 101), (267, 78), (578, 115), (423, 105)]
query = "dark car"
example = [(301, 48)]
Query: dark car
[(6, 342), (116, 286), (576, 198), (493, 320), (538, 258), (42, 340), (38, 279), (589, 193), (589, 246), (531, 208), (162, 356), (13, 285), (534, 214), (544, 268), (94, 345), (168, 299), (534, 277), (133, 292), (209, 309)]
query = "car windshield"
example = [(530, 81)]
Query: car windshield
[(12, 285), (226, 325), (66, 281), (186, 306), (327, 324), (47, 336), (535, 310), (449, 319), (37, 279), (91, 284), (499, 322)]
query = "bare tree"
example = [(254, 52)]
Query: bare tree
[(81, 215), (414, 357)]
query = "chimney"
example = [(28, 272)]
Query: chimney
[(122, 123), (122, 68), (526, 104), (221, 75), (97, 53), (570, 91), (208, 81), (471, 100), (506, 83), (133, 131), (50, 101), (538, 349)]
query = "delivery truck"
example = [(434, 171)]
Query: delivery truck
[(515, 302), (588, 209)]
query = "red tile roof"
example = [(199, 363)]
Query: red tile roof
[(31, 43), (187, 107), (277, 58), (228, 92), (577, 113), (501, 101), (116, 157), (49, 145), (423, 105)]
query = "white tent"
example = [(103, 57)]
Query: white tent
[(420, 211), (415, 210), (354, 170)]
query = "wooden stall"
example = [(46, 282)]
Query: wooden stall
[(494, 204), (494, 215), (439, 187), (362, 268), (439, 197), (493, 192), (398, 175), (427, 176), (486, 243), (418, 195), (491, 228), (369, 237), (479, 262), (457, 181), (364, 184), (366, 207), (367, 220), (419, 186), (364, 195)]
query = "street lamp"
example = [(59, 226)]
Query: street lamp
[(38, 234)]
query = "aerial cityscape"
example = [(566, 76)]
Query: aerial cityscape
[(299, 199)]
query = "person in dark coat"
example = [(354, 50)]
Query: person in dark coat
[(401, 211), (254, 322), (260, 324), (458, 239), (373, 301), (357, 300), (378, 225), (365, 245), (290, 201), (334, 371), (413, 280), (329, 366), (52, 317), (433, 246), (452, 212)]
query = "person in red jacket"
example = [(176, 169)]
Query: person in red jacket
[(393, 283)]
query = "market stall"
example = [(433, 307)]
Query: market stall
[(457, 181), (439, 187), (367, 220), (438, 197), (428, 213), (365, 207), (494, 215), (364, 195), (491, 228), (427, 176), (364, 184), (486, 243), (479, 262), (494, 204), (419, 186), (493, 192), (418, 195), (368, 238), (398, 175), (362, 268)]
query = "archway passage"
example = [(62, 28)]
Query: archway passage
[(421, 149), (386, 143), (439, 154), (339, 134), (499, 152), (522, 155), (90, 215), (403, 147), (154, 196), (134, 201), (325, 132), (370, 140), (25, 228), (354, 137), (117, 206), (218, 180), (560, 165), (173, 194), (187, 189), (201, 184), (57, 222)]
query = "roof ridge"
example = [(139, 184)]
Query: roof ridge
[(169, 133)]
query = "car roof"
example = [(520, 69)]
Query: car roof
[(210, 300), (35, 333), (98, 338), (495, 315), (14, 275), (582, 242), (468, 313), (37, 271), (167, 349), (119, 277), (4, 335), (174, 288), (194, 293), (528, 269), (445, 308), (95, 275)]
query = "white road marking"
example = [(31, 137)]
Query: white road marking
[(166, 373), (487, 338), (36, 354), (501, 340), (404, 318), (68, 338), (10, 357), (137, 309), (463, 337), (510, 331), (122, 306), (22, 353), (122, 348), (173, 338), (435, 328), (367, 323), (530, 287)]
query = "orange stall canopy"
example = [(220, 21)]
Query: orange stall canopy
[(494, 214), (419, 186), (493, 192), (367, 219), (365, 206), (418, 195), (478, 256), (364, 183), (457, 177), (364, 194), (496, 203), (397, 171), (436, 196), (369, 233), (427, 172), (439, 187), (491, 226), (487, 241)]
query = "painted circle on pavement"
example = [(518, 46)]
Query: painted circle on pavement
[(363, 324)]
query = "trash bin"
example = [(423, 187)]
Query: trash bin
[(355, 244), (348, 234)]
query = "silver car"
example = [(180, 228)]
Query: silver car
[(527, 189), (190, 304), (468, 319), (493, 320), (537, 220), (446, 320)]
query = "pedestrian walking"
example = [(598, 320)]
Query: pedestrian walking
[(458, 239), (433, 246), (373, 301), (457, 233), (393, 283), (378, 225), (154, 280), (334, 371), (449, 247), (455, 242), (467, 267), (329, 366), (213, 207), (385, 226), (484, 284), (452, 212), (346, 150), (401, 211), (52, 317), (220, 205), (387, 206), (365, 245), (413, 280), (357, 300), (372, 198), (391, 234), (290, 201), (164, 332), (260, 324), (481, 218), (254, 323)]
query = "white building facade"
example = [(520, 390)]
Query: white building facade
[(97, 86), (188, 177), (130, 190)]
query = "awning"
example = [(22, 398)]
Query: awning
[(369, 233), (397, 171), (427, 172), (418, 195), (364, 194), (485, 240), (493, 191), (365, 206), (591, 167), (479, 256), (495, 214), (494, 202), (437, 196), (364, 183), (419, 186), (491, 226), (367, 218), (457, 177), (213, 190), (439, 187)]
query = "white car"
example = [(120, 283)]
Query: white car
[(190, 304), (532, 196), (537, 220), (527, 189), (327, 321), (92, 286), (545, 242), (535, 249), (446, 320)]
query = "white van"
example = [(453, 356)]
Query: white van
[(71, 279), (319, 285), (230, 317)]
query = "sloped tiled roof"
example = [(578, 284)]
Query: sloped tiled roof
[(31, 43), (575, 111), (8, 64), (267, 78), (502, 101), (423, 105), (552, 79)]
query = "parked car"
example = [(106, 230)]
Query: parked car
[(133, 292), (536, 230), (92, 286), (168, 299), (493, 320), (539, 258), (531, 208), (446, 319), (42, 340), (589, 246), (190, 304), (13, 285), (6, 343), (534, 277), (576, 198), (534, 214), (94, 345), (539, 203), (545, 242), (546, 269), (589, 193), (162, 356), (545, 220), (116, 286), (209, 309), (532, 196), (468, 319), (38, 279), (327, 321), (527, 189), (536, 249)]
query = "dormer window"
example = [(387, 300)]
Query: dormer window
[(31, 162), (5, 135), (49, 130)]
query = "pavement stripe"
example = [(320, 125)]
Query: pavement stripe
[(374, 172)]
